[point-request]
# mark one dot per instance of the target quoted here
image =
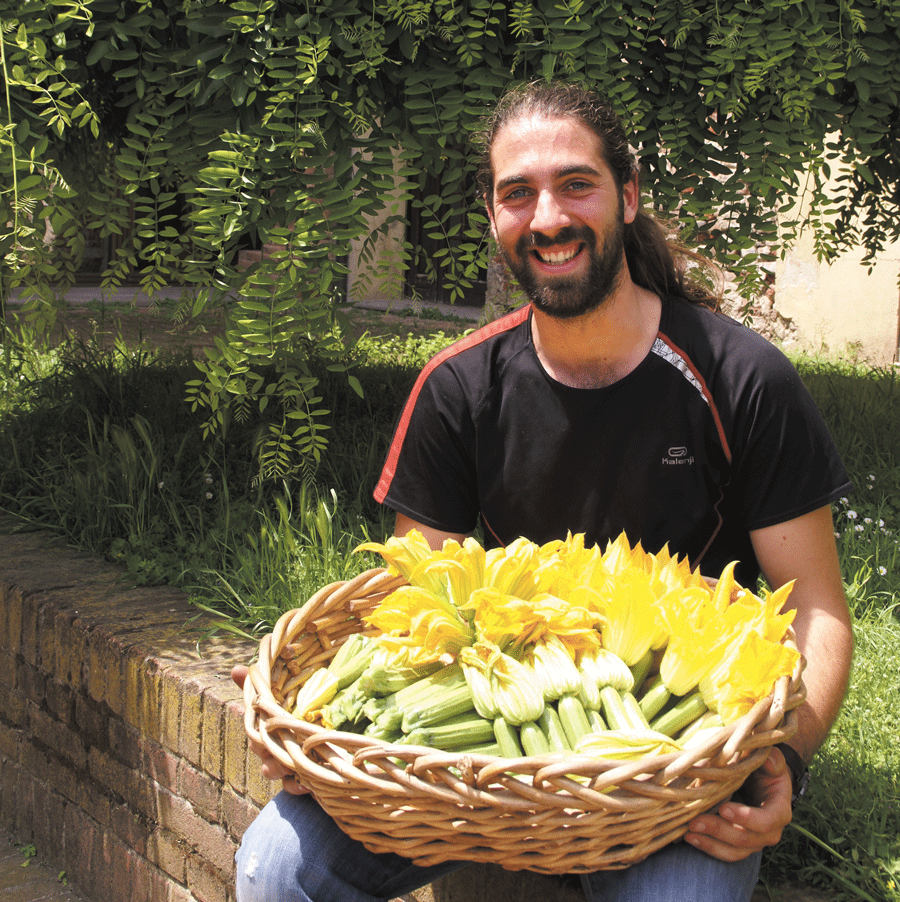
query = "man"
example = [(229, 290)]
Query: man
[(616, 400)]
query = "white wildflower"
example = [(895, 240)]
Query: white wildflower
[(852, 515)]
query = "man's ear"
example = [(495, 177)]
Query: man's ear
[(631, 198), (490, 213)]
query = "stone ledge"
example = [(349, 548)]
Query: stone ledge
[(122, 750)]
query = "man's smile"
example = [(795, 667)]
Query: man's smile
[(556, 258)]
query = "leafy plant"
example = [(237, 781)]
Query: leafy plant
[(193, 131)]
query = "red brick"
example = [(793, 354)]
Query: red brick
[(12, 606), (93, 799), (24, 822), (61, 701), (91, 721), (83, 850), (59, 774), (31, 682), (191, 726), (160, 764), (131, 828), (212, 758), (237, 813), (215, 845), (40, 824), (71, 651), (175, 814), (56, 809), (168, 853), (10, 742), (105, 682), (178, 893), (9, 777), (29, 634), (143, 681), (170, 709), (113, 882), (13, 706), (125, 743), (235, 747), (7, 661), (123, 781), (201, 791), (205, 882), (259, 788), (34, 760), (60, 738)]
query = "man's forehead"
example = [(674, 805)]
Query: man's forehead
[(559, 146)]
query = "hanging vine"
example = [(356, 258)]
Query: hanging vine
[(193, 129)]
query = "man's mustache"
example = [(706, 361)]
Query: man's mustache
[(565, 235)]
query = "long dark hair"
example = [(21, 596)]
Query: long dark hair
[(656, 260)]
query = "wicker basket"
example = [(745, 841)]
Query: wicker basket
[(542, 813)]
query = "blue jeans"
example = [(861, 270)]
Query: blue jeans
[(294, 852)]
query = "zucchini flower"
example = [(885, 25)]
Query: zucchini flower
[(617, 745), (422, 619), (518, 697), (401, 553), (747, 676), (690, 654), (510, 570), (631, 620), (553, 668), (503, 620)]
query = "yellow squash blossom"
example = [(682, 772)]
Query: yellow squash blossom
[(422, 618), (401, 553), (749, 676), (631, 620), (690, 654)]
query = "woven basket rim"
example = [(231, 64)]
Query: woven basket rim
[(388, 782)]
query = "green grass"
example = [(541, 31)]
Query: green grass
[(102, 446)]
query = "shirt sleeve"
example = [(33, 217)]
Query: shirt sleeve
[(429, 473), (785, 463)]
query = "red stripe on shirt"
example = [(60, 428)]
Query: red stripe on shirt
[(704, 390), (504, 324)]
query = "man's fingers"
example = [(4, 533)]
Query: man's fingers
[(239, 674)]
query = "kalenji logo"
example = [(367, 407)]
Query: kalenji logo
[(678, 455)]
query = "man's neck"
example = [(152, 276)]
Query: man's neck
[(601, 347)]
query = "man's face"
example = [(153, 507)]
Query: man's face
[(558, 214)]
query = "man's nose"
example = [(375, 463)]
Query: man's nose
[(549, 215)]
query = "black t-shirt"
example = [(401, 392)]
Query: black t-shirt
[(711, 436)]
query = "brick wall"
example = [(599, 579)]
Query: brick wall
[(122, 751)]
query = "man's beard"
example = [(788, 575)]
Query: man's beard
[(568, 297)]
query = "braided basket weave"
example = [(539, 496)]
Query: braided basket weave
[(549, 813)]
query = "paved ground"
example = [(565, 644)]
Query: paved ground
[(25, 878)]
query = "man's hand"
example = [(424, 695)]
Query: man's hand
[(738, 829), (271, 768)]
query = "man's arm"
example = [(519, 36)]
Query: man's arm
[(802, 549), (434, 537)]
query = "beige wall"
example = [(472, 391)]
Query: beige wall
[(841, 309)]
